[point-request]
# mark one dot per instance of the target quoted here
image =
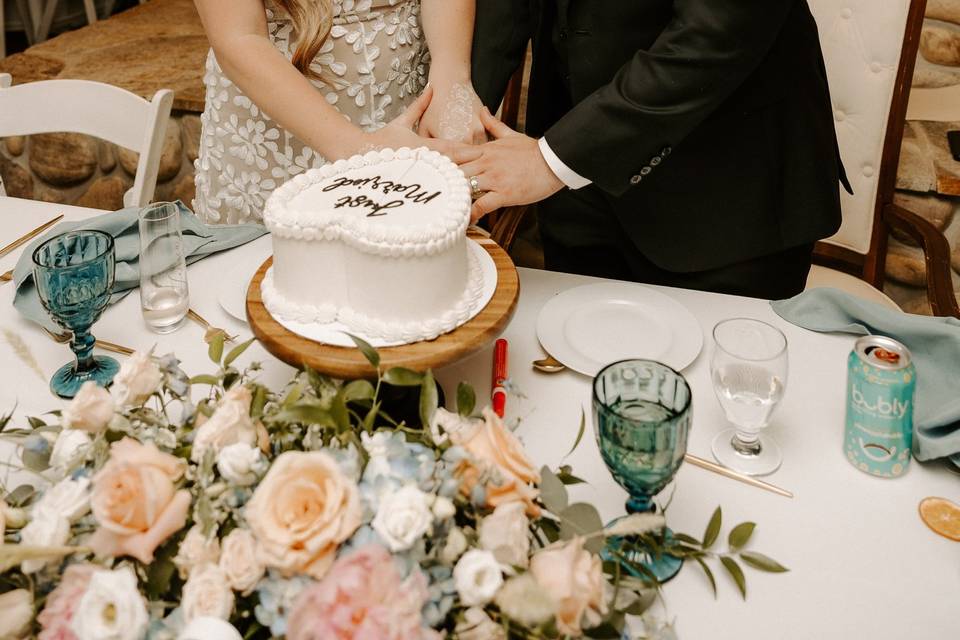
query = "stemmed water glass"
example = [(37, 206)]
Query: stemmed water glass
[(642, 412), (73, 273), (749, 371)]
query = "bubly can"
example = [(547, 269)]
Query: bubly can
[(880, 385)]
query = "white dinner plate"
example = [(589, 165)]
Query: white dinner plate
[(234, 301), (588, 327), (233, 293)]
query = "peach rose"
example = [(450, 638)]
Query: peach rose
[(498, 457), (135, 501), (301, 512), (573, 577), (229, 424)]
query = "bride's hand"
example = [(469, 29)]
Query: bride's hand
[(454, 113), (400, 132)]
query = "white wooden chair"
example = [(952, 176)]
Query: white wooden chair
[(96, 109), (870, 49)]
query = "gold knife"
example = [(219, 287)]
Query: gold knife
[(30, 236), (6, 277), (115, 348), (729, 473)]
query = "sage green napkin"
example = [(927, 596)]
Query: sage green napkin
[(199, 241), (933, 342)]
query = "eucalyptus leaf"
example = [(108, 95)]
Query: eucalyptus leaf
[(5, 419), (736, 573), (213, 381), (36, 453), (237, 351), (549, 529), (466, 399), (645, 599), (367, 350), (682, 537), (403, 377), (552, 492), (338, 410), (215, 350), (295, 393), (20, 496), (566, 476), (740, 534), (709, 573), (713, 529), (582, 519), (305, 414), (36, 423), (762, 562), (583, 426), (259, 401), (371, 417), (358, 390), (428, 398)]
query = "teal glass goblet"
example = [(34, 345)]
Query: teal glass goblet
[(642, 412), (73, 273)]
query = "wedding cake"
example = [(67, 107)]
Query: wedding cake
[(377, 243)]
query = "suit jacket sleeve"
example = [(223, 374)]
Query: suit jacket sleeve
[(501, 31), (706, 51)]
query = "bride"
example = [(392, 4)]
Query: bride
[(293, 84)]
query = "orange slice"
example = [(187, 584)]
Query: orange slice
[(942, 516)]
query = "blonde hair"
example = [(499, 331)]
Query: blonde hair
[(312, 20)]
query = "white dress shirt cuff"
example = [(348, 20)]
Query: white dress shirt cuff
[(566, 175)]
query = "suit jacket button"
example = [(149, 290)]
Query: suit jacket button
[(666, 151), (654, 161), (636, 179), (645, 171)]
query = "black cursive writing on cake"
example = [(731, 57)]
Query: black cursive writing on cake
[(409, 192)]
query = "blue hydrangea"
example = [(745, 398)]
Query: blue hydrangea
[(441, 593), (393, 463), (277, 597)]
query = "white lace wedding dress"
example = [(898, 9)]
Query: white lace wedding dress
[(373, 64)]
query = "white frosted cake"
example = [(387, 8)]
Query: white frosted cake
[(377, 243)]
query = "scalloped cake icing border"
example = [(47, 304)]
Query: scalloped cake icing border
[(407, 332), (449, 226)]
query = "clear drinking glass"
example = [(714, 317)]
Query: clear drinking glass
[(164, 296), (641, 413), (749, 371)]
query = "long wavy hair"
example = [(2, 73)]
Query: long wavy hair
[(312, 20)]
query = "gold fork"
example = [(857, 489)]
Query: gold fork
[(101, 344), (6, 277), (211, 330)]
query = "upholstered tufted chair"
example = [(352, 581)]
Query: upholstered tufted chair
[(870, 48)]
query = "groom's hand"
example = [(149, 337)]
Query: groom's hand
[(510, 169)]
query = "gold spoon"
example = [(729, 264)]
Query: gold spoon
[(548, 365)]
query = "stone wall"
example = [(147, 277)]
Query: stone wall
[(925, 159), (157, 45)]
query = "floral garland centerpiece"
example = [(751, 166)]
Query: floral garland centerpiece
[(310, 513)]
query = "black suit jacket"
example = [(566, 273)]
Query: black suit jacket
[(706, 123)]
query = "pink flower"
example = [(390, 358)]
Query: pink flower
[(362, 598), (62, 602), (135, 501)]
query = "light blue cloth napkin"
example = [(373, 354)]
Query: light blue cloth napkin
[(199, 241), (933, 342)]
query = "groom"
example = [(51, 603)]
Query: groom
[(680, 142)]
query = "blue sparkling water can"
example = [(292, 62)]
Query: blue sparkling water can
[(881, 381)]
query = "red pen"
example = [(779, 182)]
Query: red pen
[(499, 391)]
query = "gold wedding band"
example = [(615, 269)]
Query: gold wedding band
[(475, 187)]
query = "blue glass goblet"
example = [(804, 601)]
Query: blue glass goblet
[(73, 273), (642, 412)]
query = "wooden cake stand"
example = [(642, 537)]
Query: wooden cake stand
[(348, 362)]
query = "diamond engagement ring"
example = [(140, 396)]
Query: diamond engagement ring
[(475, 187)]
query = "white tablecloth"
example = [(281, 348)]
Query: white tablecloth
[(863, 564)]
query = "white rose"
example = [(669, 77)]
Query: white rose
[(196, 550), (477, 625), (111, 608), (477, 577), (139, 377), (238, 462), (16, 612), (69, 449), (69, 498), (46, 529), (229, 424), (506, 533), (207, 628), (90, 410), (404, 516), (240, 561), (443, 508), (207, 594), (455, 546)]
